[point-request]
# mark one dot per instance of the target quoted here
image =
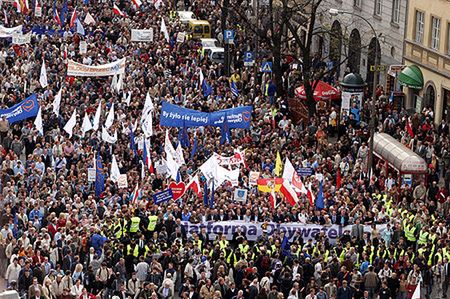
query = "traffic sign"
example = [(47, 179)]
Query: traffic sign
[(249, 59), (228, 36), (266, 67)]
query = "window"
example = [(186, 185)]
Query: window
[(357, 3), (396, 11), (419, 26), (378, 6), (435, 32)]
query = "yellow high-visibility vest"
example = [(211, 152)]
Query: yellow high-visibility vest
[(134, 227), (152, 220)]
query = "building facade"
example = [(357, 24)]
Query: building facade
[(350, 41), (427, 45)]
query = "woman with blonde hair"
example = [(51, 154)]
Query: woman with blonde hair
[(78, 273)]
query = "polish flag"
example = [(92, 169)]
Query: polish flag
[(310, 195), (409, 129), (289, 193), (137, 3), (194, 184), (56, 17), (73, 17), (117, 11), (148, 159), (273, 199), (17, 5)]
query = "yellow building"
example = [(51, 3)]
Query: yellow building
[(427, 46)]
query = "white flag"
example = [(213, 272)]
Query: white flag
[(108, 138), (172, 166), (416, 294), (97, 116), (201, 78), (148, 105), (119, 83), (86, 126), (115, 172), (57, 102), (89, 19), (168, 147), (147, 125), (180, 156), (114, 82), (290, 175), (38, 122), (110, 118), (71, 124), (43, 77), (128, 99), (164, 30)]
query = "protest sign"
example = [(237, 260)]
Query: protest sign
[(21, 39), (253, 177), (240, 195), (142, 35), (162, 196), (91, 174), (180, 37), (81, 70), (9, 32), (83, 47), (122, 182)]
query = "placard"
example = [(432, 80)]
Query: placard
[(240, 195), (181, 36), (21, 39), (162, 196), (142, 35), (83, 47), (91, 174), (253, 177), (38, 11), (122, 181)]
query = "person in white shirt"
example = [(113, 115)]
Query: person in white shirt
[(12, 272), (385, 272), (77, 289)]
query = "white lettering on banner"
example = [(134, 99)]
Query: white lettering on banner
[(142, 35), (109, 69), (13, 113), (253, 230)]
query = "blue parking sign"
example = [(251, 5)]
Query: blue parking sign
[(249, 58), (228, 36)]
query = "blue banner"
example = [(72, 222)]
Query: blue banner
[(304, 171), (162, 196), (23, 110), (176, 116)]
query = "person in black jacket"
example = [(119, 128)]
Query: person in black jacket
[(344, 292)]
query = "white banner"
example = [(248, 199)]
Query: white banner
[(142, 35), (9, 32), (21, 39), (109, 69), (253, 230), (226, 161)]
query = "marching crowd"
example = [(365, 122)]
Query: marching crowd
[(61, 240)]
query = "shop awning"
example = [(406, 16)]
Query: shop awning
[(397, 155), (411, 77), (323, 92)]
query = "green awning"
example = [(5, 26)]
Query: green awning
[(411, 77)]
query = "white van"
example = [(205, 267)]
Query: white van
[(185, 16)]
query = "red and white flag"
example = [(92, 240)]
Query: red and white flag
[(137, 3), (117, 11), (416, 294), (17, 5), (194, 184), (56, 17), (409, 129), (73, 17), (238, 154), (273, 199), (310, 195), (6, 17), (292, 177), (135, 195), (289, 193)]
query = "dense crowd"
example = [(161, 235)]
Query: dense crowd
[(59, 240)]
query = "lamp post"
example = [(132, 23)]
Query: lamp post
[(335, 12)]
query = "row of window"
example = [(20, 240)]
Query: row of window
[(435, 31), (378, 9)]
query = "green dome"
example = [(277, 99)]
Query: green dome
[(353, 80)]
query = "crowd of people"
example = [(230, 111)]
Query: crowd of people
[(61, 240)]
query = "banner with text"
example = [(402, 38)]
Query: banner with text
[(253, 230), (142, 35), (109, 69), (23, 110), (176, 116), (9, 32), (21, 39)]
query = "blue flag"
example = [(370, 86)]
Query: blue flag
[(211, 201), (62, 15), (79, 26), (86, 2), (319, 200), (194, 148), (99, 177), (183, 136), (391, 97), (285, 247), (205, 194), (225, 131), (207, 89), (234, 89), (178, 176)]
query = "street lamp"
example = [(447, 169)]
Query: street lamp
[(335, 12)]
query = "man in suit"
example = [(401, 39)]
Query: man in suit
[(357, 230), (344, 292), (35, 289), (67, 263)]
